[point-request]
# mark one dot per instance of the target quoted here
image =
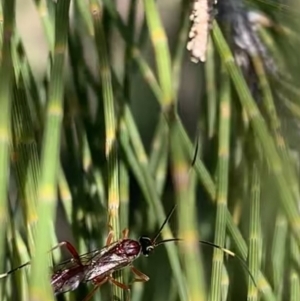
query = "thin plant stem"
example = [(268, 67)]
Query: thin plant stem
[(210, 79), (260, 129), (294, 275), (6, 82), (184, 185), (162, 53), (254, 236), (278, 253), (111, 152), (47, 193), (222, 186)]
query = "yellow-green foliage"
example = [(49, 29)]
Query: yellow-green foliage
[(106, 124)]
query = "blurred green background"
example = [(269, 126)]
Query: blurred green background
[(106, 121)]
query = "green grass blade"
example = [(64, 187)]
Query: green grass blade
[(255, 242), (278, 253), (39, 285), (222, 186), (210, 79), (110, 128), (180, 46), (162, 54), (153, 197), (208, 184), (184, 185), (260, 129), (47, 21), (1, 30), (27, 163), (6, 81), (294, 275)]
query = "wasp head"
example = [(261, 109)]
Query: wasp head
[(147, 245)]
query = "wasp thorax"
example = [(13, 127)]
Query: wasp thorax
[(129, 247)]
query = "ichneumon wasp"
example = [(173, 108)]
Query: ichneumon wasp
[(99, 265)]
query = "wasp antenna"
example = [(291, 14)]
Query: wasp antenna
[(4, 275), (232, 254), (14, 270), (164, 223), (195, 153), (208, 243)]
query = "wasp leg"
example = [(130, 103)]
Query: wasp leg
[(70, 248), (97, 282), (117, 283), (110, 237), (120, 285), (125, 233), (141, 277)]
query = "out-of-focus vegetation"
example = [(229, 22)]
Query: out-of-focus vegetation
[(106, 123)]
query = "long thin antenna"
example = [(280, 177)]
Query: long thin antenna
[(195, 152), (14, 270), (208, 243), (164, 223)]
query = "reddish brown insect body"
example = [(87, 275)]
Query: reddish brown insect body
[(99, 265)]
